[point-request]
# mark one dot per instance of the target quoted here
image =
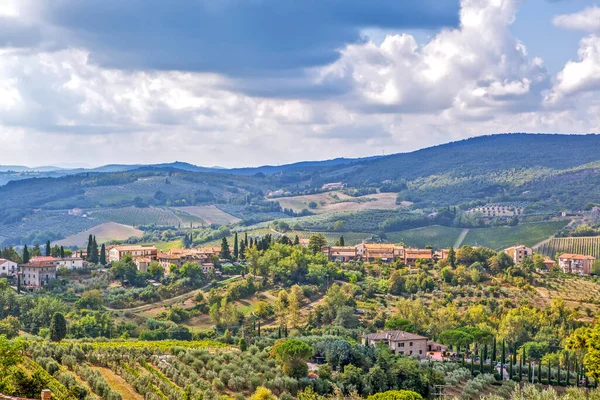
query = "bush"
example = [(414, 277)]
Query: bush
[(396, 395)]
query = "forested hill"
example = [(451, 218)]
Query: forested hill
[(481, 155)]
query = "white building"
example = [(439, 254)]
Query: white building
[(36, 275), (67, 262), (7, 267)]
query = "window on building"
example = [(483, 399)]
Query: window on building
[(410, 344), (401, 344)]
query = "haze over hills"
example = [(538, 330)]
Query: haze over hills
[(546, 173)]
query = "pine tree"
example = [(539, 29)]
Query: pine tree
[(342, 241), (25, 255), (103, 254), (48, 249), (58, 327), (236, 250), (225, 252)]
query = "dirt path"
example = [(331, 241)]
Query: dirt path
[(171, 300), (461, 238), (119, 384)]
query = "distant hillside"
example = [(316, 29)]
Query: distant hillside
[(542, 173)]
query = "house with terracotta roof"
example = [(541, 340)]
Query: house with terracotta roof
[(412, 255), (34, 275), (116, 253), (519, 252), (378, 251), (576, 263), (67, 262), (400, 342), (7, 267), (341, 253)]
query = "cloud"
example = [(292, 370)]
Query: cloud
[(587, 20), (234, 37), (474, 71), (582, 76)]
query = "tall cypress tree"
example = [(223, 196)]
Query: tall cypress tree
[(342, 241), (48, 249), (485, 354), (62, 252), (103, 254), (503, 361), (236, 251), (25, 255), (225, 252), (549, 372), (481, 361), (522, 359), (296, 241), (567, 365), (494, 353), (452, 257), (89, 248), (94, 250), (242, 249), (246, 238)]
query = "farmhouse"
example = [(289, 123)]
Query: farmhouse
[(178, 257), (400, 342), (116, 253), (333, 186), (34, 275), (519, 252), (67, 262), (341, 253), (384, 252), (412, 255), (576, 264), (7, 267)]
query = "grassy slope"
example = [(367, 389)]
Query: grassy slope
[(502, 237), (327, 203)]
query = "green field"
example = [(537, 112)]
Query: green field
[(501, 237), (439, 237), (589, 246)]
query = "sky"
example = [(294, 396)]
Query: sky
[(237, 83)]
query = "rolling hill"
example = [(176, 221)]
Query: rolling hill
[(531, 169)]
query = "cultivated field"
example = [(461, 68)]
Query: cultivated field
[(579, 293), (337, 201), (589, 246), (210, 214), (501, 237), (147, 216), (439, 237), (104, 233)]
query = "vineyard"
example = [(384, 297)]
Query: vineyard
[(134, 216), (589, 246)]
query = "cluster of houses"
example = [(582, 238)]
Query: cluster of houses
[(41, 270), (569, 263), (388, 253)]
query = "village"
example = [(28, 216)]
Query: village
[(40, 270)]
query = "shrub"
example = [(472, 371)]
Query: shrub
[(396, 395)]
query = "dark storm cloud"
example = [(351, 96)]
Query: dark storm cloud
[(236, 37)]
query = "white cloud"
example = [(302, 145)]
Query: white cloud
[(587, 20), (476, 70), (579, 76)]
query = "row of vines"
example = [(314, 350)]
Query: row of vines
[(589, 246)]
